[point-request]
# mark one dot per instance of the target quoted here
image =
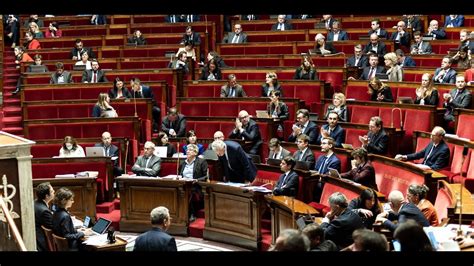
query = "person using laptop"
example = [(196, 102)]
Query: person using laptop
[(61, 76), (147, 164), (194, 168), (84, 61), (247, 129), (276, 108), (232, 89), (304, 126), (110, 150), (362, 170), (38, 63), (288, 183), (162, 140), (304, 153), (276, 150), (237, 166), (43, 215), (376, 140), (63, 225), (70, 148), (427, 94), (174, 124), (157, 239), (333, 130)]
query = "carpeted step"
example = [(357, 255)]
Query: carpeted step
[(117, 204), (12, 75), (12, 111), (266, 223), (196, 228), (11, 102), (201, 214), (11, 71), (18, 131), (13, 121), (105, 207), (266, 242), (10, 81), (113, 216)]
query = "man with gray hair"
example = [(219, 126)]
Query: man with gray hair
[(157, 239), (291, 240), (232, 89), (236, 164), (340, 222), (147, 164), (400, 211), (435, 155)]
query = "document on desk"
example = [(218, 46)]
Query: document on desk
[(259, 189), (232, 184), (96, 240)]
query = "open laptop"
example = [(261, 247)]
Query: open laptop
[(101, 226), (94, 152), (274, 162), (301, 165), (37, 68), (161, 151), (79, 67), (347, 146), (262, 114), (382, 76), (406, 100)]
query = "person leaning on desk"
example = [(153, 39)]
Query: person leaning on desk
[(147, 164)]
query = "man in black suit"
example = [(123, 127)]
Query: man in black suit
[(373, 68), (174, 124), (282, 24), (459, 97), (190, 35), (287, 184), (336, 34), (157, 239), (401, 37), (403, 60), (304, 126), (412, 22), (110, 150), (375, 28), (43, 215), (247, 129), (142, 91), (237, 166), (375, 46), (95, 74), (435, 155), (237, 36), (401, 212), (304, 153), (79, 49), (376, 141), (147, 164), (232, 89), (332, 129), (340, 222), (359, 59)]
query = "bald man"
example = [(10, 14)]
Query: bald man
[(246, 129), (110, 150)]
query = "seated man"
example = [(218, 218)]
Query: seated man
[(420, 46), (61, 76), (95, 74), (237, 36), (143, 91), (304, 153), (79, 49), (180, 62), (282, 24), (445, 74), (376, 139), (174, 124), (288, 183), (304, 126), (401, 37), (401, 211), (363, 171), (232, 89), (359, 59), (332, 129), (316, 236), (435, 31), (435, 155), (157, 239), (328, 159), (276, 150), (291, 240), (247, 129), (236, 164), (43, 215), (110, 150), (459, 97), (147, 164)]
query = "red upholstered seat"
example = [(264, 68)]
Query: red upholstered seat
[(464, 126), (421, 143), (357, 92), (454, 170), (386, 115), (328, 190), (469, 181), (415, 120), (362, 114), (195, 108), (392, 177), (352, 136), (443, 201), (206, 129)]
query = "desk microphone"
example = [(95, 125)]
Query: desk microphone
[(111, 235)]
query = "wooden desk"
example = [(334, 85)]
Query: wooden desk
[(233, 215), (139, 195), (119, 245), (285, 210), (467, 203)]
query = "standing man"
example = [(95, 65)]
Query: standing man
[(157, 239), (232, 89), (142, 91), (110, 150), (147, 164), (95, 74), (237, 165), (304, 126), (174, 124), (247, 129), (333, 130), (43, 215), (237, 36), (376, 140)]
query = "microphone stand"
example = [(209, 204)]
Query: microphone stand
[(177, 164), (126, 156), (135, 102), (464, 154)]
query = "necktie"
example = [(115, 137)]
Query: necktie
[(321, 167), (428, 156), (356, 61), (371, 73), (301, 157), (456, 95), (147, 161), (95, 77), (106, 150), (190, 18), (275, 155), (173, 19), (232, 92), (280, 26), (284, 180)]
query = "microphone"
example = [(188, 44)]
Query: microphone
[(111, 235), (465, 150)]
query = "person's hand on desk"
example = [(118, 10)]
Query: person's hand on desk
[(366, 213), (382, 217), (86, 231)]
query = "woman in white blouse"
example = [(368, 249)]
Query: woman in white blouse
[(70, 148), (84, 61)]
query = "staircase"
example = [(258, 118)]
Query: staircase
[(12, 115), (110, 211)]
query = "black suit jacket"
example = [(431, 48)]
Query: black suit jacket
[(363, 61), (87, 76), (146, 92), (43, 217), (64, 227), (311, 131), (195, 37), (439, 157), (155, 240), (265, 91), (340, 229), (125, 93), (89, 51), (289, 187), (383, 33), (381, 49), (387, 95), (288, 26), (308, 156), (338, 134), (179, 125), (377, 143), (251, 133), (365, 72), (364, 175), (199, 169), (242, 168), (407, 211), (112, 152), (404, 40)]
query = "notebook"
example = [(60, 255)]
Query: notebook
[(262, 114), (101, 226), (161, 151), (402, 100), (94, 152)]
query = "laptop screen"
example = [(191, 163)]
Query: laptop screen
[(94, 152), (101, 226), (161, 151)]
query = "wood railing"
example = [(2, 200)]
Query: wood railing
[(11, 223)]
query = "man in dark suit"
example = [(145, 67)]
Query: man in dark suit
[(328, 159), (190, 35), (61, 76), (194, 168), (304, 126), (445, 74), (328, 21), (336, 34), (282, 24), (180, 62), (412, 22), (276, 150), (459, 97), (359, 59), (237, 166), (157, 239), (287, 184), (373, 68), (232, 89), (376, 141), (403, 60), (464, 37), (304, 153), (401, 212), (340, 222), (174, 124), (110, 150), (249, 17), (79, 49), (95, 74), (43, 215), (332, 129), (237, 36), (375, 28), (401, 37), (435, 155), (420, 46), (142, 91), (435, 31), (247, 129), (147, 164), (375, 46)]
